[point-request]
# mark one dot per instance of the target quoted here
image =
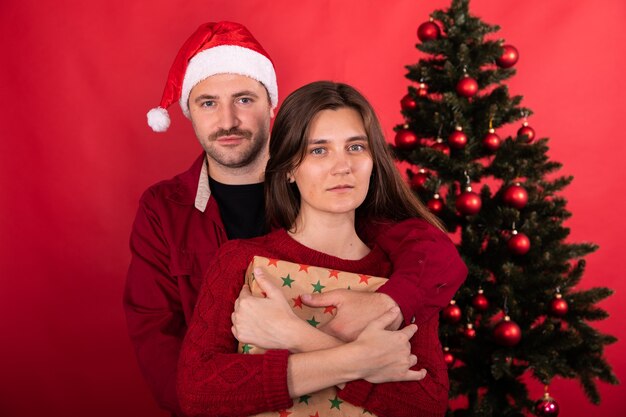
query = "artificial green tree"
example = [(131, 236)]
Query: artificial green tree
[(519, 311)]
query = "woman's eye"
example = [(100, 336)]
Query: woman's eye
[(357, 147), (318, 151)]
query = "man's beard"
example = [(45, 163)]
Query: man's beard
[(243, 155)]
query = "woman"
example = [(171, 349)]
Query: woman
[(329, 168)]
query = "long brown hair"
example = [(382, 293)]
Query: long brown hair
[(388, 199)]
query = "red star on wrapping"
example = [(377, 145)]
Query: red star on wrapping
[(364, 278), (284, 413), (333, 273), (329, 309), (317, 414), (304, 268), (273, 262), (297, 302)]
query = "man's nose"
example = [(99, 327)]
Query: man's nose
[(228, 117)]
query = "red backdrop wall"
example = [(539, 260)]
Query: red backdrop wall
[(75, 153)]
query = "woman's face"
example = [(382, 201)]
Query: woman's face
[(334, 175)]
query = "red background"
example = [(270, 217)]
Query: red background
[(75, 154)]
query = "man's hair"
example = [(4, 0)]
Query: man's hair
[(388, 199)]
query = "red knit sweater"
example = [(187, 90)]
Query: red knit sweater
[(213, 380)]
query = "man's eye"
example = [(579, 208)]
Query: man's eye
[(245, 100), (208, 103)]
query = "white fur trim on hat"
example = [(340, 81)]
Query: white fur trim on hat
[(158, 119), (229, 59)]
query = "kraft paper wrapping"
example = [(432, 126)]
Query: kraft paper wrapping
[(294, 280)]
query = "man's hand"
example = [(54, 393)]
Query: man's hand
[(355, 310)]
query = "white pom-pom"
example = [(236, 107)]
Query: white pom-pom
[(158, 119)]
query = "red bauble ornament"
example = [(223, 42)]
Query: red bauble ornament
[(407, 103), (428, 31), (469, 331), (418, 180), (422, 90), (406, 139), (435, 204), (467, 86), (480, 302), (507, 333), (448, 357), (527, 132), (519, 244), (515, 196), (558, 306), (547, 407), (492, 141), (468, 202), (451, 313), (509, 57), (457, 139), (441, 147)]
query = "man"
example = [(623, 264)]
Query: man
[(226, 85)]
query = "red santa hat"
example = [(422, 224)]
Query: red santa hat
[(214, 48)]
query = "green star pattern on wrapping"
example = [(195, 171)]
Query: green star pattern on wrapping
[(287, 281), (246, 348), (318, 287), (313, 322), (335, 403), (305, 399)]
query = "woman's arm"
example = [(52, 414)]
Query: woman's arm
[(214, 381), (271, 323), (377, 355), (427, 397)]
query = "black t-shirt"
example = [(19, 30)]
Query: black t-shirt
[(241, 207)]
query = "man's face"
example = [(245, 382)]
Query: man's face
[(231, 116)]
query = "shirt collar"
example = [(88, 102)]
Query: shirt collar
[(203, 192)]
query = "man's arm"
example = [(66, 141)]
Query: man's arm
[(427, 268), (427, 272), (156, 322)]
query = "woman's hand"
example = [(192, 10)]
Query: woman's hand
[(355, 310), (266, 322), (386, 355)]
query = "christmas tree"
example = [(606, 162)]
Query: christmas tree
[(519, 311)]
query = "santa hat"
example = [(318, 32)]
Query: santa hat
[(214, 48)]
